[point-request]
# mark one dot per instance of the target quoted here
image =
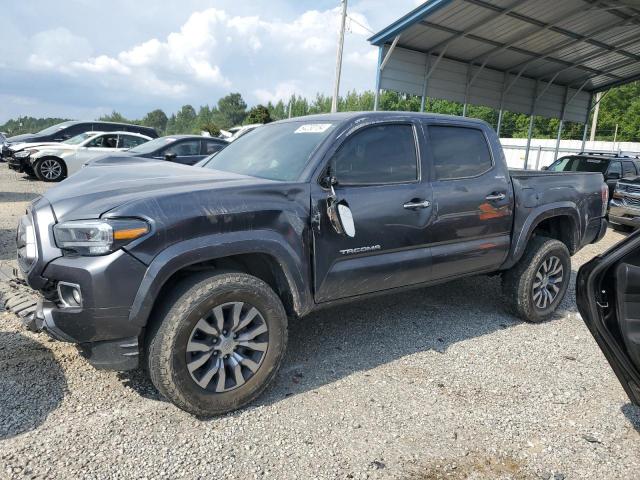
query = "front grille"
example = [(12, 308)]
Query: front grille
[(632, 202), (631, 188)]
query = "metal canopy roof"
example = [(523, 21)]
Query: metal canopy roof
[(542, 57)]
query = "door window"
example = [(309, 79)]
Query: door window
[(629, 169), (103, 141), (377, 155), (185, 149), (212, 147), (615, 167), (459, 152), (130, 141)]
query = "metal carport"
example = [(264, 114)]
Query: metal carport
[(537, 57)]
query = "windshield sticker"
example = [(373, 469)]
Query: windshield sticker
[(313, 128)]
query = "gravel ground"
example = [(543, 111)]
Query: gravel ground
[(434, 383)]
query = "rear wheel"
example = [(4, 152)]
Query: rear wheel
[(537, 284), (217, 343), (50, 169)]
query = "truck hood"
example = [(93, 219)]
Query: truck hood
[(113, 181)]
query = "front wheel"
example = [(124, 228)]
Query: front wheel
[(49, 170), (217, 343), (536, 285)]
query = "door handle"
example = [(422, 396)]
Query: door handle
[(495, 196), (420, 204)]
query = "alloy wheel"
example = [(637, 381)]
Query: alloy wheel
[(548, 281), (51, 169), (227, 347)]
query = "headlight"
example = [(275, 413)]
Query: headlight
[(22, 154), (98, 237), (26, 243)]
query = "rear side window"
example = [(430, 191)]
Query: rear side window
[(377, 155), (130, 141), (211, 147), (615, 167), (628, 169), (186, 148), (458, 152)]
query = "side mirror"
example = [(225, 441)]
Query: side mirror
[(170, 157), (613, 176), (339, 212), (545, 168)]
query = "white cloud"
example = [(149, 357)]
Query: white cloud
[(282, 91)]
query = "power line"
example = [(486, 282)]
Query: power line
[(359, 24)]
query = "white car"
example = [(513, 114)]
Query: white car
[(236, 132), (53, 162)]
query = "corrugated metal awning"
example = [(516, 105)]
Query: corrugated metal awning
[(545, 57)]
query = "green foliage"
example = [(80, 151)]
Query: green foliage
[(258, 114), (621, 106), (232, 109), (156, 119), (22, 125)]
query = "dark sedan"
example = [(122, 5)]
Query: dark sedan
[(185, 149)]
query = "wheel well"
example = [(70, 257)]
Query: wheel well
[(62, 162), (260, 265), (561, 228)]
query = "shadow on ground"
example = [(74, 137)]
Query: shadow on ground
[(633, 415), (8, 243), (32, 384), (334, 343), (18, 196)]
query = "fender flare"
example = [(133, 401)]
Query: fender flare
[(534, 217), (211, 247)]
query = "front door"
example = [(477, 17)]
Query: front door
[(608, 298), (379, 178), (473, 202)]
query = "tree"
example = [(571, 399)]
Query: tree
[(186, 120), (258, 114), (114, 117), (156, 119), (233, 110)]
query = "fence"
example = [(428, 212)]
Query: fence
[(543, 150)]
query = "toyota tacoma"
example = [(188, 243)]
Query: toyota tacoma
[(193, 272)]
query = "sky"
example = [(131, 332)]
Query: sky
[(84, 58)]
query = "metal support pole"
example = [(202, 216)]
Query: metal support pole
[(538, 157), (594, 120), (586, 124), (425, 83), (466, 91), (376, 98), (560, 125), (336, 87), (531, 120), (500, 109)]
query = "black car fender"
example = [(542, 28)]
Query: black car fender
[(532, 219), (216, 246)]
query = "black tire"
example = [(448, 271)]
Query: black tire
[(518, 282), (173, 327), (50, 169)]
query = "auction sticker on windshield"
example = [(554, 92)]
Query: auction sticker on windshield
[(313, 128)]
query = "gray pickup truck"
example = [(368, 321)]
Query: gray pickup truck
[(195, 271)]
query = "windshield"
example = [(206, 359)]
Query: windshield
[(579, 164), (78, 139), (278, 152), (55, 128), (152, 145)]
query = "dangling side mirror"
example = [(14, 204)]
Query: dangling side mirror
[(339, 212)]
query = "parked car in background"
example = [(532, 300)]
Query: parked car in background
[(624, 207), (52, 162), (3, 145), (206, 265), (185, 149), (236, 132), (612, 166), (66, 130)]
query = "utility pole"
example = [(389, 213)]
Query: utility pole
[(336, 88), (594, 122)]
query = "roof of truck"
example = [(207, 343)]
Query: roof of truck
[(346, 116)]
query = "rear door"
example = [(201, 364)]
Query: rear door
[(380, 178), (473, 201), (608, 297)]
